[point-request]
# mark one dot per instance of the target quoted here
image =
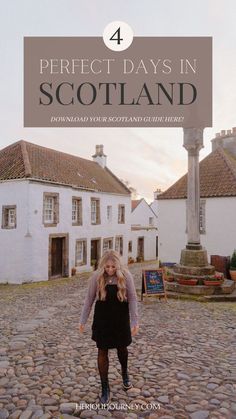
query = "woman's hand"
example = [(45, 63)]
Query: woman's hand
[(134, 330), (81, 328)]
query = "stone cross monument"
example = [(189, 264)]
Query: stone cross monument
[(193, 142), (193, 261)]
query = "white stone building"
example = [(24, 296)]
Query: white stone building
[(58, 212), (217, 204), (143, 243), (154, 204)]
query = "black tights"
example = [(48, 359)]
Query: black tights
[(103, 361)]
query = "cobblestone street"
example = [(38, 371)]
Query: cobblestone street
[(182, 363)]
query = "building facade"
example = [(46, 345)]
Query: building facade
[(59, 212), (217, 204), (143, 243)]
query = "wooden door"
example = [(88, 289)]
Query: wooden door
[(57, 247), (95, 252), (141, 247), (221, 264)]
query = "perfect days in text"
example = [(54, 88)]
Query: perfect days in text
[(107, 65)]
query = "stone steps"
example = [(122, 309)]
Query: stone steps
[(214, 297)]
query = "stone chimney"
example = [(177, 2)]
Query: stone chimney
[(156, 193), (99, 156), (226, 140)]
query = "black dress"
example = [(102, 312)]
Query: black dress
[(111, 322)]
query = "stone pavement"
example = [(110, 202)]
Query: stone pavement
[(182, 363)]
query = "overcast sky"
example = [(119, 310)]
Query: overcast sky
[(149, 158)]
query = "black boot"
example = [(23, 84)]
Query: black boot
[(126, 382), (105, 397)]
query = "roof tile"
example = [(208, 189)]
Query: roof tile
[(217, 177), (134, 203), (23, 159)]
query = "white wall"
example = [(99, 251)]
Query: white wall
[(140, 215), (172, 225), (154, 206), (29, 257), (15, 253), (149, 243), (220, 237)]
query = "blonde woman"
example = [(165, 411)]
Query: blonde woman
[(115, 315)]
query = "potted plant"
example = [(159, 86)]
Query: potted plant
[(187, 281), (168, 275), (232, 268), (215, 280), (73, 271)]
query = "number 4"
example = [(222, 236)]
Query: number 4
[(118, 39)]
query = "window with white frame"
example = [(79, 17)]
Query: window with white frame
[(76, 211), (202, 216), (80, 252), (95, 211), (119, 245), (151, 221), (9, 216), (50, 208), (121, 214), (109, 212), (107, 244)]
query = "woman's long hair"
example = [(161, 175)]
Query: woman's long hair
[(114, 257)]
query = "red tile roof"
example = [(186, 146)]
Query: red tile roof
[(27, 160), (217, 177), (134, 203)]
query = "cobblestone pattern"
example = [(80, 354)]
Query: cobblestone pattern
[(183, 360)]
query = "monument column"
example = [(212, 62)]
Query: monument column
[(193, 142), (193, 260)]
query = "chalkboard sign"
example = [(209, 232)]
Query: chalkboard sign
[(152, 283)]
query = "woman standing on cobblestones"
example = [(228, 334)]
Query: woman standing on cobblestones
[(115, 315)]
